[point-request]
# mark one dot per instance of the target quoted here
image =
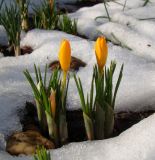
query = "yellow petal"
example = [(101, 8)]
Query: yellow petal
[(101, 51), (65, 55)]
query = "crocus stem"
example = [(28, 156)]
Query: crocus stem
[(17, 50), (100, 71), (64, 86), (62, 119), (64, 80)]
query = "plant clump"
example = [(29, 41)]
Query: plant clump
[(98, 110), (16, 18), (47, 17), (11, 20), (51, 98)]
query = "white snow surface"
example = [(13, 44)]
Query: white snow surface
[(132, 27), (1, 55), (136, 92)]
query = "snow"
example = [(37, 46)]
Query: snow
[(118, 33), (136, 93), (142, 12), (126, 27), (119, 148), (1, 55), (46, 46), (142, 27)]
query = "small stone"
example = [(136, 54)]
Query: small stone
[(27, 142)]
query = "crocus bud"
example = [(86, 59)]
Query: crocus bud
[(65, 55), (101, 51), (53, 102), (39, 86)]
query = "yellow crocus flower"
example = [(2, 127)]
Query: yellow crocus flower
[(101, 51), (65, 55)]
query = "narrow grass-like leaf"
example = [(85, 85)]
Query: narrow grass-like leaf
[(42, 154), (34, 87), (106, 9), (117, 85), (146, 2), (36, 73), (80, 91), (88, 126), (45, 75), (124, 5)]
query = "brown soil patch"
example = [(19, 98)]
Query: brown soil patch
[(75, 64)]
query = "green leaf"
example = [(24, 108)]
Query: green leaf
[(88, 126), (99, 122), (63, 130), (45, 76), (34, 87), (109, 121), (80, 91), (117, 86), (42, 154), (146, 2), (52, 128), (36, 73)]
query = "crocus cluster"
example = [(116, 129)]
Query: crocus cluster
[(97, 107), (51, 97)]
